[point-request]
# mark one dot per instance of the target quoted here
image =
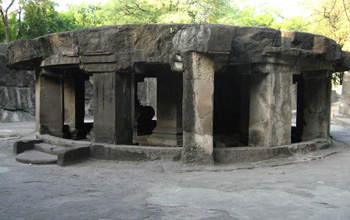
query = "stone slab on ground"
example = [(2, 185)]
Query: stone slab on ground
[(36, 157), (50, 149)]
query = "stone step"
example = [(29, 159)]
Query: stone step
[(36, 157), (50, 149), (70, 153)]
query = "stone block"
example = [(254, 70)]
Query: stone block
[(23, 145)]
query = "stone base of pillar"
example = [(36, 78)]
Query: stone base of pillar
[(165, 139)]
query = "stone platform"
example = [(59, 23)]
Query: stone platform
[(83, 150)]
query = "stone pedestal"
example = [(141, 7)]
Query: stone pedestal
[(317, 106), (198, 108), (169, 110), (49, 104), (270, 108), (113, 108)]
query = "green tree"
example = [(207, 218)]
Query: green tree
[(40, 18), (4, 11), (292, 23), (261, 15), (165, 11), (330, 18), (85, 16)]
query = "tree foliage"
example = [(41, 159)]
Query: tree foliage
[(40, 18), (4, 11), (165, 11), (330, 18), (84, 16)]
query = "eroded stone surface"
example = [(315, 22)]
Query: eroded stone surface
[(16, 92), (260, 63), (120, 47)]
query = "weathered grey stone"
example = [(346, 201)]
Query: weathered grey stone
[(17, 98), (50, 149), (50, 103), (169, 110), (241, 154), (198, 109), (248, 71), (270, 108), (344, 107), (36, 157), (73, 155), (23, 145), (134, 153), (160, 45), (113, 110), (317, 108)]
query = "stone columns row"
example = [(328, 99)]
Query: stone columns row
[(269, 107), (59, 101)]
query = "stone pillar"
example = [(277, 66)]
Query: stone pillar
[(317, 105), (113, 108), (344, 107), (74, 104), (49, 103), (270, 108), (198, 109), (169, 110)]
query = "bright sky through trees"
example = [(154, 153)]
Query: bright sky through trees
[(289, 8)]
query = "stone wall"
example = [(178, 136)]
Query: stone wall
[(17, 93)]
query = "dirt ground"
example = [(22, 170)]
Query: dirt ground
[(311, 186)]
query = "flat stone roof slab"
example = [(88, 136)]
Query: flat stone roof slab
[(119, 48)]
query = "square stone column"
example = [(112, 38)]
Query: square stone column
[(113, 108), (344, 107), (49, 115), (317, 106), (74, 103), (169, 110), (270, 108), (198, 109)]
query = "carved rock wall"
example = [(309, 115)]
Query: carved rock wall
[(17, 93)]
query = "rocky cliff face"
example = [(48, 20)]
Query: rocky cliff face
[(17, 93)]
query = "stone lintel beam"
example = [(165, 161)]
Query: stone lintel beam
[(270, 107), (317, 74), (56, 60), (198, 108), (113, 108), (297, 63)]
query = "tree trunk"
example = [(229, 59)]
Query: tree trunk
[(7, 34)]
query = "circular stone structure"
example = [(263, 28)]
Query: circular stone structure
[(224, 93)]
